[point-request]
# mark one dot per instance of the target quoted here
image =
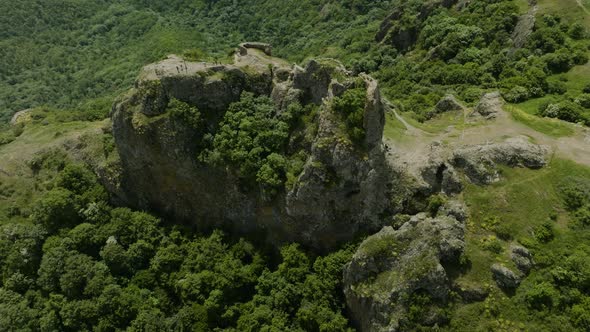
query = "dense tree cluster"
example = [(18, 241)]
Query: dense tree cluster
[(78, 264), (62, 53), (473, 50), (464, 51)]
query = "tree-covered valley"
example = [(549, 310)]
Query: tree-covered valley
[(314, 165)]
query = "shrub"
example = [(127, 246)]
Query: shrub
[(582, 215), (541, 296), (351, 105), (545, 232), (581, 314), (76, 178), (566, 110), (556, 87), (583, 100), (186, 113), (435, 202), (56, 209), (248, 135), (575, 192), (577, 31), (492, 244), (517, 94)]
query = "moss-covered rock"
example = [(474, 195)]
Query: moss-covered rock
[(393, 266)]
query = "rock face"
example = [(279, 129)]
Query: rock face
[(393, 265), (525, 26), (504, 277), (342, 189)]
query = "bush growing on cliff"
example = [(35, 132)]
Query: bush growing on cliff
[(351, 105), (185, 113)]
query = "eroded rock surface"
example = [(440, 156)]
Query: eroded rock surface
[(480, 162), (393, 265), (490, 105), (504, 277), (342, 189)]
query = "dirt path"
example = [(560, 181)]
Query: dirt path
[(410, 130)]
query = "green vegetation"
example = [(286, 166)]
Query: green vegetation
[(551, 127), (74, 263), (253, 140), (351, 105), (69, 261), (465, 52), (540, 210)]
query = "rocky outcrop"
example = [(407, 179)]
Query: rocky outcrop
[(524, 27), (470, 293), (504, 277), (393, 265), (480, 162), (445, 169), (448, 103), (490, 105), (341, 191)]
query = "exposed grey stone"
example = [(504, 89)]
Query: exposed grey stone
[(18, 116), (471, 293), (447, 104), (479, 161), (522, 258), (264, 47), (490, 104), (455, 209), (504, 277), (391, 265)]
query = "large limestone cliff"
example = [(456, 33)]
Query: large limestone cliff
[(341, 191)]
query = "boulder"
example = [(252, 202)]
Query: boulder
[(504, 277), (392, 265), (264, 47), (490, 105), (522, 258), (455, 209), (20, 116), (447, 104)]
